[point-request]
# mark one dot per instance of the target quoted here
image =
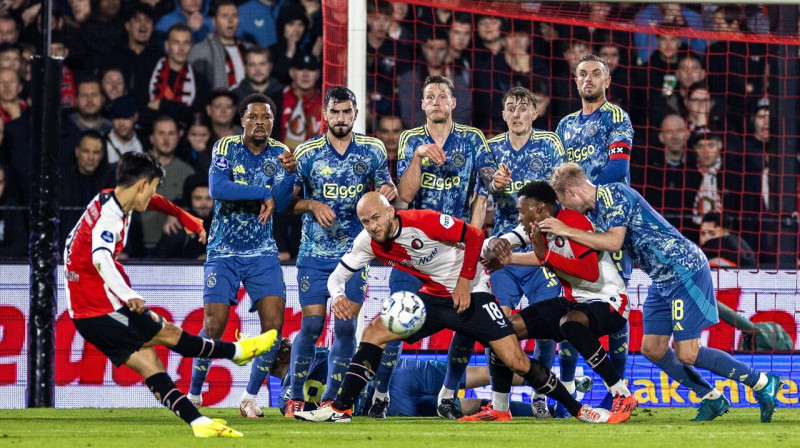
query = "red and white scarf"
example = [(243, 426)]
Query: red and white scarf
[(182, 89)]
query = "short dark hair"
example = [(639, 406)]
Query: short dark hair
[(380, 7), (90, 133), (519, 93), (595, 58), (538, 191), (133, 166), (179, 27), (258, 50), (162, 118), (721, 220), (439, 79), (217, 5), (339, 94), (136, 8), (256, 98)]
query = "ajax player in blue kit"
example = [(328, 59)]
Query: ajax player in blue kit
[(250, 176), (680, 303), (334, 171), (598, 138)]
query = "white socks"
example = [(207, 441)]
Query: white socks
[(202, 420), (570, 385), (246, 396), (380, 396), (619, 388), (446, 393), (713, 395), (499, 402), (762, 381)]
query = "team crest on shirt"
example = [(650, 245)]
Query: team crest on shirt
[(592, 129), (559, 241), (270, 168), (401, 165), (305, 284), (211, 281), (459, 160), (221, 163), (537, 164), (107, 236), (446, 221), (416, 243), (360, 168)]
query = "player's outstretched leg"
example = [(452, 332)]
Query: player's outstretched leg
[(200, 368), (498, 409), (458, 356), (300, 360), (618, 351), (258, 374), (713, 403), (380, 399)]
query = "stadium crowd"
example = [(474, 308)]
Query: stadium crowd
[(165, 76)]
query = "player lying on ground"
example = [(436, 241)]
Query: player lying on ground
[(113, 317), (428, 245), (594, 305), (680, 303)]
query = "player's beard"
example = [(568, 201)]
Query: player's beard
[(341, 131), (593, 97)]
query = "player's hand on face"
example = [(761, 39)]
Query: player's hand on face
[(267, 207), (501, 249), (136, 305), (288, 162), (554, 226), (323, 214), (539, 247), (172, 226), (502, 177), (461, 296), (341, 308), (433, 152), (388, 191)]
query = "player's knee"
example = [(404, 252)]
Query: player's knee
[(311, 326), (686, 355), (213, 327), (571, 329), (519, 363), (519, 327), (653, 352), (345, 328), (272, 323)]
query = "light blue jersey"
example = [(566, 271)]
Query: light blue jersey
[(655, 245), (593, 140), (338, 181), (446, 188), (536, 160), (239, 182)]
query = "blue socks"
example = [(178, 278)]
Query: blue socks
[(303, 353), (726, 365), (567, 359), (388, 360), (618, 349), (200, 367), (684, 374), (260, 369), (344, 345), (458, 356), (545, 352)]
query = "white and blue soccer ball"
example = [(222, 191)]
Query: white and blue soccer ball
[(403, 313)]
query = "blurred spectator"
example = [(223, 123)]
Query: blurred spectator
[(388, 131), (702, 110), (82, 180), (11, 106), (164, 138), (398, 30), (619, 91), (87, 116), (313, 36), (101, 35), (13, 243), (258, 79), (11, 57), (112, 83), (489, 41), (122, 137), (675, 88), (80, 10), (17, 136), (178, 244), (9, 30), (434, 49), (544, 119), (197, 148), (723, 248), (258, 21), (174, 86), (383, 53), (221, 109), (219, 58), (59, 49), (291, 27), (667, 176), (139, 52), (302, 102), (460, 38), (720, 186), (736, 68), (756, 164), (673, 15), (191, 13), (655, 81)]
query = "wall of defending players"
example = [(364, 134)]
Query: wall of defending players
[(176, 292)]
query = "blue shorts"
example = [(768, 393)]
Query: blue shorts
[(262, 276), (537, 283), (683, 309), (312, 281), (403, 281)]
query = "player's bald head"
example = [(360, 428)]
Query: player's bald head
[(371, 202)]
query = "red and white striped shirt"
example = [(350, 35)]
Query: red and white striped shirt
[(96, 282), (428, 245)]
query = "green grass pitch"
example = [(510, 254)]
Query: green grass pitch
[(156, 427)]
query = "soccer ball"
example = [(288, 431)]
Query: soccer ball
[(403, 313)]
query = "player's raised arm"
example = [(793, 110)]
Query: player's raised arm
[(221, 186)]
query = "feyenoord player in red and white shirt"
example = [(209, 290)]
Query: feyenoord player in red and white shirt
[(113, 317), (442, 252), (596, 303)]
